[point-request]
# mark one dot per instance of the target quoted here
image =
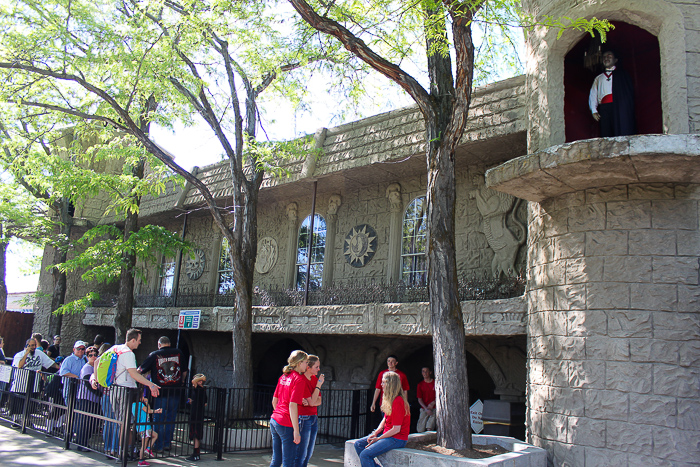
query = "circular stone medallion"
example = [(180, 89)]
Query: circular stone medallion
[(360, 245), (194, 265), (267, 255)]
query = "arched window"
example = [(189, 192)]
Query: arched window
[(225, 282), (414, 264), (318, 250)]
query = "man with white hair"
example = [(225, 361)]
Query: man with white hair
[(71, 365)]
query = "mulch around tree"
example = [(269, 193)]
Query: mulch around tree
[(478, 451)]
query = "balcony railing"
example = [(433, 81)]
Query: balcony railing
[(345, 293)]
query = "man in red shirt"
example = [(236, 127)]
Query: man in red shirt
[(391, 363), (426, 398)]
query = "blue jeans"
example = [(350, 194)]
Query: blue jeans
[(284, 451), (169, 402), (367, 454), (308, 429), (110, 432)]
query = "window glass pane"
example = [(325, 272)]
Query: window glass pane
[(318, 249), (226, 283), (413, 244), (166, 276)]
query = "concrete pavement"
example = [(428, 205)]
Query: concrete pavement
[(34, 449)]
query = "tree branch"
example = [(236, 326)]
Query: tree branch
[(367, 55)]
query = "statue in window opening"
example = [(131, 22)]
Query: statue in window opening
[(611, 99)]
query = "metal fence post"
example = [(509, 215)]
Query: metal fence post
[(31, 375), (70, 408), (219, 424), (355, 416)]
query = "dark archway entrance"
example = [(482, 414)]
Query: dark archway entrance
[(639, 56), (481, 386), (274, 359)]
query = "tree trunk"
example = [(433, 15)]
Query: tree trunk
[(447, 323), (60, 254), (246, 236), (3, 270), (125, 300)]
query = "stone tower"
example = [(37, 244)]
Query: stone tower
[(613, 250)]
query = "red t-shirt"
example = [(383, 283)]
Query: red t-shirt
[(308, 392), (398, 417), (404, 382), (290, 388), (426, 391)]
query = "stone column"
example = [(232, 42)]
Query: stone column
[(331, 228), (613, 300), (290, 273), (393, 267)]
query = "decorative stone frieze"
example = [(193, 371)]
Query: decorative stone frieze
[(482, 318)]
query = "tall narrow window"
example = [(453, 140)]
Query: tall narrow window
[(414, 265), (318, 250), (226, 283), (166, 276)]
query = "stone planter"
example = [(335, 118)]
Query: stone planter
[(521, 454)]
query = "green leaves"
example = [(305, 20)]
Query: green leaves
[(100, 251)]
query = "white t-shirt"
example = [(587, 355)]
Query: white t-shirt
[(33, 362), (125, 361)]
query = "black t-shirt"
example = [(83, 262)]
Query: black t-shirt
[(166, 366), (53, 351)]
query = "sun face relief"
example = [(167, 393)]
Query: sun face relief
[(360, 245)]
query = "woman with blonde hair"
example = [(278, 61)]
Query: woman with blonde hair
[(392, 432), (284, 423), (308, 412)]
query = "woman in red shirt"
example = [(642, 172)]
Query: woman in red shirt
[(284, 423), (308, 413), (392, 432)]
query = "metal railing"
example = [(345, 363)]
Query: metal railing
[(341, 293), (106, 421)]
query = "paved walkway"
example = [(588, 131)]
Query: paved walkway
[(34, 449)]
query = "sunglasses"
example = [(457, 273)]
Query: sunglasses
[(91, 354), (80, 348)]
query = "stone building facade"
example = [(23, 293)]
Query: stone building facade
[(604, 345)]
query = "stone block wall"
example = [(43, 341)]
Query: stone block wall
[(614, 326)]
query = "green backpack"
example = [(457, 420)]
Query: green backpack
[(106, 366)]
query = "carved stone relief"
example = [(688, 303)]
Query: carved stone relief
[(360, 245), (194, 265), (267, 255), (495, 207)]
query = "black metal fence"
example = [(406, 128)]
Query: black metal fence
[(116, 422), (345, 293)]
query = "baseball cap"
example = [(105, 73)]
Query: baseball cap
[(79, 344)]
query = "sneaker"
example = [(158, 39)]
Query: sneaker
[(193, 458), (143, 463), (149, 453)]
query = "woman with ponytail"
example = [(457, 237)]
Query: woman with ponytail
[(308, 412), (392, 432), (284, 423)]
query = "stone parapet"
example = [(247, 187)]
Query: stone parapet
[(599, 162), (503, 317)]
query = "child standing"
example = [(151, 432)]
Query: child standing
[(141, 410), (198, 401)]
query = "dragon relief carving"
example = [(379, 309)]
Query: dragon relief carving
[(495, 207)]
